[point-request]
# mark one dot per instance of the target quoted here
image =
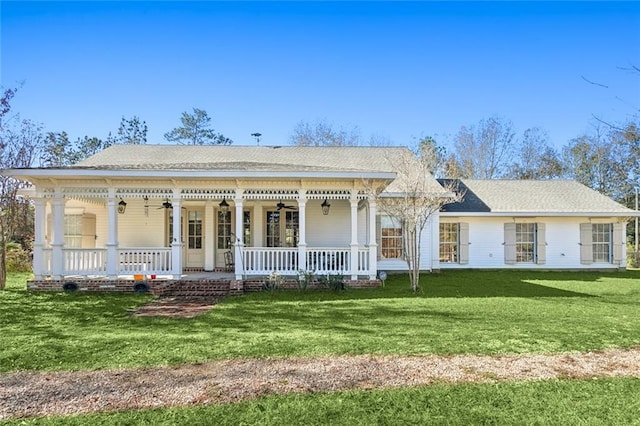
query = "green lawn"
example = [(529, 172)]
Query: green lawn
[(457, 312), (555, 402)]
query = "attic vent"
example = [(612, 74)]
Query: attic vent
[(276, 147)]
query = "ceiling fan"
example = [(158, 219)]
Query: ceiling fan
[(166, 204), (281, 206)]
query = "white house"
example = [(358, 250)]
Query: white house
[(165, 210)]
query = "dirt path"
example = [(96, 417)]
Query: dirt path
[(26, 394)]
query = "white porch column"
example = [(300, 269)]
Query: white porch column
[(354, 235), (373, 245), (176, 244), (38, 235), (239, 237), (57, 256), (112, 235), (302, 229), (209, 236)]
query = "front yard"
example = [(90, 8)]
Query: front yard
[(462, 312), (456, 312)]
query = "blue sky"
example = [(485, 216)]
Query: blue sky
[(396, 70)]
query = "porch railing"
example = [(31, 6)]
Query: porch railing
[(140, 260), (329, 260), (78, 261), (265, 260), (363, 261)]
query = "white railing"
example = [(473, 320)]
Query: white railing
[(363, 261), (265, 260), (79, 261), (329, 260), (156, 260)]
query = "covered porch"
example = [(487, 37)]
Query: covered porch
[(150, 230)]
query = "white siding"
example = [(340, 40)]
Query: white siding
[(137, 230), (486, 250)]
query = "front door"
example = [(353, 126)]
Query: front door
[(194, 242), (224, 239)]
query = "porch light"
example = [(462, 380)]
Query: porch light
[(224, 206), (325, 207), (122, 206)]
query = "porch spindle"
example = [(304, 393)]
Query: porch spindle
[(302, 229), (112, 240), (353, 263), (57, 258), (38, 237), (239, 237), (373, 246)]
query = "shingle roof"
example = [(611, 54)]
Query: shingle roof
[(242, 158), (531, 196)]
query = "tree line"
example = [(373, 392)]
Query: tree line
[(607, 158)]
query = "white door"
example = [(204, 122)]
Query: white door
[(194, 254), (224, 239)]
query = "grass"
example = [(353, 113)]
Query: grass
[(484, 312), (557, 402)]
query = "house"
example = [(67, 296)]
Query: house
[(163, 210)]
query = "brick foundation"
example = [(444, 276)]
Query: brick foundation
[(182, 288)]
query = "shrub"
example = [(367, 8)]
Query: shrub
[(333, 282), (18, 259), (273, 282), (633, 257), (305, 278)]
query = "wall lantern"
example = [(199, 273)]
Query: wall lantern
[(122, 206), (224, 206), (325, 207)]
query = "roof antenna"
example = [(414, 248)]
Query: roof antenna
[(257, 136)]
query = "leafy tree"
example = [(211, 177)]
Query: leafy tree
[(19, 144), (196, 130), (483, 151), (132, 131), (58, 151), (432, 155), (535, 158), (322, 133)]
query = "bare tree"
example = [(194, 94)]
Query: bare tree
[(321, 133), (482, 151), (535, 158), (412, 198), (19, 143)]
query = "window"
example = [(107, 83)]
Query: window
[(73, 231), (224, 230), (525, 242), (279, 236), (449, 240), (246, 228), (391, 238), (194, 235), (601, 242)]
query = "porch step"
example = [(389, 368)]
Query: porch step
[(197, 289)]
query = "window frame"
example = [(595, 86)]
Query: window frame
[(597, 229), (392, 244), (452, 254), (527, 238)]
